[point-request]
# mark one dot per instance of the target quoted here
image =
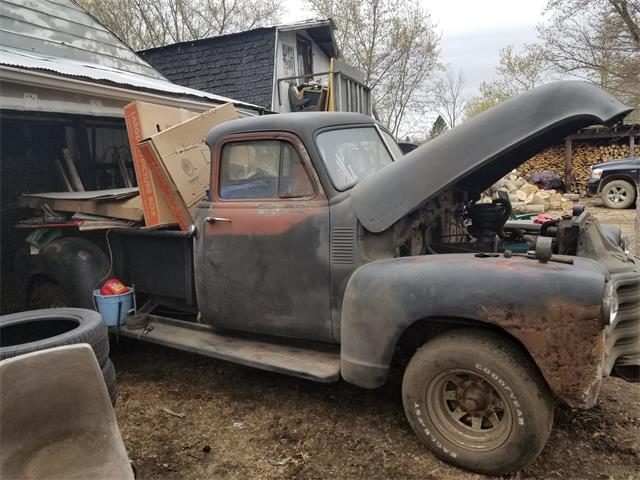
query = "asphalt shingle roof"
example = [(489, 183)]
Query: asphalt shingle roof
[(238, 65)]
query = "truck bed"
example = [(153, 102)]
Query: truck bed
[(158, 263)]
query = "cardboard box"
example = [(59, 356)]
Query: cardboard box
[(144, 120), (179, 161)]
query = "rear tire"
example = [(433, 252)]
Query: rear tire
[(618, 194), (477, 402), (47, 294)]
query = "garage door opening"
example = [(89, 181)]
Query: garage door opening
[(32, 151)]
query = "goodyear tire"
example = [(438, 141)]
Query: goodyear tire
[(36, 330), (477, 402)]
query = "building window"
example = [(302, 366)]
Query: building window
[(288, 60), (305, 57)]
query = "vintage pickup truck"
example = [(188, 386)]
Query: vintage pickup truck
[(323, 252)]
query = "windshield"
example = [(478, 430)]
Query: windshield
[(352, 154), (392, 144)]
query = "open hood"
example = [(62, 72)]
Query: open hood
[(483, 149)]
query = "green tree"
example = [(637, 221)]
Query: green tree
[(439, 126)]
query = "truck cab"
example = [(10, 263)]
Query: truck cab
[(324, 253), (278, 227)]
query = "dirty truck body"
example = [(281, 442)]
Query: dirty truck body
[(322, 252)]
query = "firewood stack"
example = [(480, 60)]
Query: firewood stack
[(526, 197), (584, 155)]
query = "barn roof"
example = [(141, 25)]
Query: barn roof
[(60, 37)]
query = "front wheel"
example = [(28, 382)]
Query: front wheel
[(477, 402)]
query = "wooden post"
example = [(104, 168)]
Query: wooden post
[(632, 144), (568, 169)]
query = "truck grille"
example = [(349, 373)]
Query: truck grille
[(622, 339)]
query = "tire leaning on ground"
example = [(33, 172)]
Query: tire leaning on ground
[(35, 330), (618, 194), (109, 375), (477, 402)]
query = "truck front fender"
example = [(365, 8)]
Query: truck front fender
[(552, 309)]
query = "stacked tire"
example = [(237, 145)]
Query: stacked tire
[(36, 330)]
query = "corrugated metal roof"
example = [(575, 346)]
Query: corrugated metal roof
[(63, 29), (60, 36), (92, 71)]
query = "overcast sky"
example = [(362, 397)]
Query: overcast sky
[(473, 32)]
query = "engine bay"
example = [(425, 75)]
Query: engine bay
[(454, 223)]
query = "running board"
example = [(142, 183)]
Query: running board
[(319, 362)]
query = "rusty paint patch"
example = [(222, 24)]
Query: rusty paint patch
[(567, 343)]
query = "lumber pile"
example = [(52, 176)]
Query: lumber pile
[(86, 210), (584, 155), (526, 197), (171, 163)]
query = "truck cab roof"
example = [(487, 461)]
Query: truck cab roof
[(302, 124)]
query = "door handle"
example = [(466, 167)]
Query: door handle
[(216, 219)]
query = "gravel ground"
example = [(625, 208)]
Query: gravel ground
[(188, 417)]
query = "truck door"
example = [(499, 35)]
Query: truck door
[(262, 255)]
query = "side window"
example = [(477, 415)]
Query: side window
[(264, 169)]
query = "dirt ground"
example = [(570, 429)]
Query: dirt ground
[(187, 417)]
